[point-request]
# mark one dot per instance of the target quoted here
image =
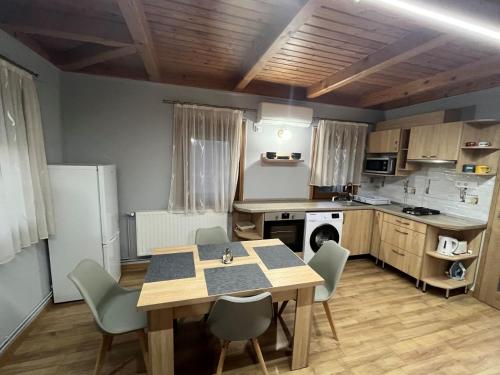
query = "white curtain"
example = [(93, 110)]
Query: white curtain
[(205, 158), (338, 153), (26, 214)]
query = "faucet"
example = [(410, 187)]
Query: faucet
[(349, 189)]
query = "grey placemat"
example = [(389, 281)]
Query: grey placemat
[(230, 279), (210, 252), (170, 267), (278, 256)]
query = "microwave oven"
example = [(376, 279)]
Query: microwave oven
[(381, 165)]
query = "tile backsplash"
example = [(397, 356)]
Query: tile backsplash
[(438, 187)]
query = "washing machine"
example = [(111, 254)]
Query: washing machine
[(321, 227)]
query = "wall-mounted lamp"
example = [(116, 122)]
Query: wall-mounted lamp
[(284, 134)]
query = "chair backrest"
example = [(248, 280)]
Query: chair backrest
[(209, 236), (241, 318), (95, 285), (329, 263)]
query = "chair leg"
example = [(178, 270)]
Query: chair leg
[(225, 345), (101, 356), (330, 319), (256, 346), (110, 344), (282, 308), (141, 335)]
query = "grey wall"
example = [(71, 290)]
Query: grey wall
[(486, 103), (25, 281), (124, 122)]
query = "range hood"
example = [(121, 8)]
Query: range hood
[(272, 114)]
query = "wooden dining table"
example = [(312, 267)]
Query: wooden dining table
[(184, 281)]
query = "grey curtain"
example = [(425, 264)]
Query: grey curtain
[(338, 153)]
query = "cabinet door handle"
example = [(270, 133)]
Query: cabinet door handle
[(432, 156), (424, 156), (405, 233), (398, 253), (402, 222)]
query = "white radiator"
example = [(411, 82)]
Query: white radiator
[(161, 228)]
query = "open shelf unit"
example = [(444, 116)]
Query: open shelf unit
[(248, 235), (477, 131), (404, 168), (436, 265)]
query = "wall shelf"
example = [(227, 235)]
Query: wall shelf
[(453, 258), (479, 174), (280, 161), (444, 282), (250, 235), (491, 148)]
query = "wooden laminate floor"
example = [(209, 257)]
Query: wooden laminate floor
[(385, 324)]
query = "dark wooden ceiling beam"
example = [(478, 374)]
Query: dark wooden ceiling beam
[(32, 20), (265, 49), (475, 70), (85, 57), (135, 18), (411, 45), (28, 41), (86, 37)]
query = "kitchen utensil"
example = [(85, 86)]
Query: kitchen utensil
[(461, 248), (296, 155), (447, 245), (271, 155), (470, 144), (482, 169), (484, 144), (468, 168), (457, 271), (227, 256)]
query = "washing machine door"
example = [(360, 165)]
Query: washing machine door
[(325, 232)]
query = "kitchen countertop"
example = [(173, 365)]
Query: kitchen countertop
[(442, 221)]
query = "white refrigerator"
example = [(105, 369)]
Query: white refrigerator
[(86, 223)]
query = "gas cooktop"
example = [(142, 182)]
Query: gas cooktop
[(420, 211)]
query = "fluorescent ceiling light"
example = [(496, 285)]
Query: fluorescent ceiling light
[(442, 16)]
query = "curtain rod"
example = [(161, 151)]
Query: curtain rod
[(18, 66), (166, 101), (209, 105)]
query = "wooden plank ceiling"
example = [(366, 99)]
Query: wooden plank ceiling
[(333, 51)]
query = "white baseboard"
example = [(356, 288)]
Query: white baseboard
[(25, 323)]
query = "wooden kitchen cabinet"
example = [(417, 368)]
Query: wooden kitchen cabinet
[(357, 231), (385, 141), (435, 142), (378, 221)]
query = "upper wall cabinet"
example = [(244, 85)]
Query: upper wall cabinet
[(435, 142), (385, 141)]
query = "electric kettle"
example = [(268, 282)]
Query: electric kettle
[(451, 246)]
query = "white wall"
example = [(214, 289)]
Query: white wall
[(124, 122), (25, 281)]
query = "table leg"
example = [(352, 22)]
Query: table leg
[(302, 330), (161, 341)]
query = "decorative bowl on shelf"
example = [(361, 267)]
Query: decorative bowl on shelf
[(271, 155), (296, 155)]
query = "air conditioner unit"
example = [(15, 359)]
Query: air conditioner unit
[(284, 115)]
